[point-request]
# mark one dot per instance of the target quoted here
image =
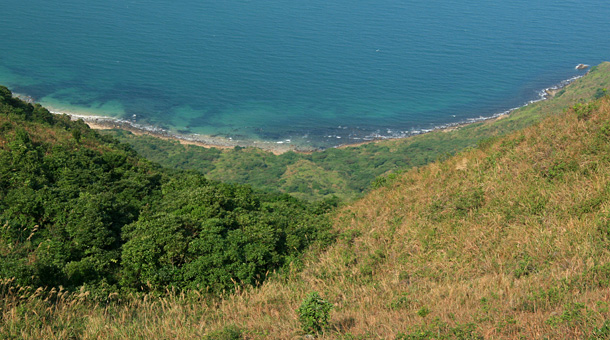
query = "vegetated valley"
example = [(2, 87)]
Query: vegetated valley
[(507, 238)]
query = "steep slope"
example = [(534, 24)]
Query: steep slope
[(507, 240)]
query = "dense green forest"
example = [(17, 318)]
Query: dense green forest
[(81, 209), (348, 172)]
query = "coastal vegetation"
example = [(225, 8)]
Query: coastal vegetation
[(347, 173), (507, 237), (78, 209)]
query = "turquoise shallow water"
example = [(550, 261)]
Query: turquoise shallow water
[(320, 73)]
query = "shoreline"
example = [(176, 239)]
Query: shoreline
[(97, 122), (108, 123)]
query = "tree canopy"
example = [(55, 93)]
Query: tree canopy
[(78, 208)]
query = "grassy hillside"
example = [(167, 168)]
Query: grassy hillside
[(510, 239), (348, 173), (507, 240)]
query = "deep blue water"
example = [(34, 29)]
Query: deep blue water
[(310, 71)]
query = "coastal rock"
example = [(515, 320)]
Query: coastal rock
[(551, 92), (581, 67)]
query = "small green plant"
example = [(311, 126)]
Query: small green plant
[(401, 302), (314, 313), (423, 312), (604, 131), (485, 143), (505, 324), (575, 313), (384, 180), (525, 267), (603, 332)]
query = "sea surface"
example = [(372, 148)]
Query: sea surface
[(317, 73)]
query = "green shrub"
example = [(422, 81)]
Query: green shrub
[(485, 143), (583, 111), (423, 312), (314, 313)]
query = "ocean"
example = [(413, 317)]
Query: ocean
[(315, 73)]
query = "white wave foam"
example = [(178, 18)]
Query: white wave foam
[(542, 95)]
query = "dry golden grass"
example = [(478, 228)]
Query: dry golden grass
[(508, 240)]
